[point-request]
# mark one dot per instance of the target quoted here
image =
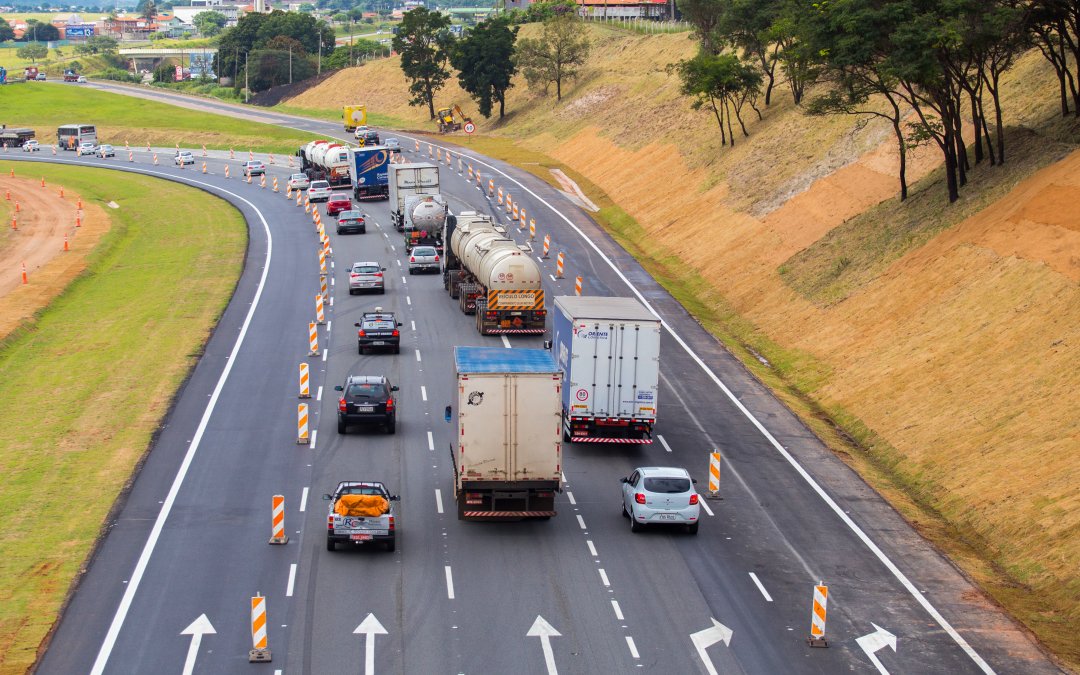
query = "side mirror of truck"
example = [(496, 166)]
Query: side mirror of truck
[(447, 413), (339, 388), (327, 498), (395, 498)]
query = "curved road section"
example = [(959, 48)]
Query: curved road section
[(170, 588)]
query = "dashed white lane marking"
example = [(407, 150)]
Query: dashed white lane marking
[(430, 441), (570, 496), (506, 341), (540, 259), (331, 301), (552, 277), (412, 324), (314, 433), (663, 442), (592, 548), (303, 500), (292, 581), (705, 506), (423, 392), (757, 582), (618, 610), (438, 500), (581, 521), (398, 263), (385, 236), (393, 248), (408, 300), (418, 356), (449, 583), (603, 577), (328, 324), (325, 353), (318, 393), (633, 647)]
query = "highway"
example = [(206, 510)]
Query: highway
[(577, 594)]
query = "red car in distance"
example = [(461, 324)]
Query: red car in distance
[(338, 203)]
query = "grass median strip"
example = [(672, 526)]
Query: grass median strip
[(85, 386)]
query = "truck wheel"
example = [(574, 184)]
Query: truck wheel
[(635, 526), (391, 545), (330, 545)]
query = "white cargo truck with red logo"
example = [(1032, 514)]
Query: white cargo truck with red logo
[(609, 353)]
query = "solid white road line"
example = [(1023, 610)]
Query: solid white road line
[(663, 442), (705, 506), (430, 441), (438, 500), (824, 496), (423, 392), (505, 341), (592, 548), (633, 647), (318, 393), (292, 581), (768, 598), (303, 499), (603, 577), (581, 521), (166, 506), (449, 583), (570, 496)]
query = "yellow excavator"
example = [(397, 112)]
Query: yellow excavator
[(448, 119)]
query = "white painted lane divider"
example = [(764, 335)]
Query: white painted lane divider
[(618, 610), (570, 496), (412, 324), (449, 583), (417, 356), (423, 392), (430, 441), (632, 647), (581, 522), (303, 499), (438, 500), (592, 548), (544, 630), (318, 395), (505, 341), (198, 628), (603, 578), (761, 587), (314, 433), (705, 505), (408, 300), (292, 581), (663, 442)]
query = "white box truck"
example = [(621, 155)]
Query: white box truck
[(415, 178), (508, 458), (609, 353)]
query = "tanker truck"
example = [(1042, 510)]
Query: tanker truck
[(414, 178), (325, 160), (492, 277), (425, 216)]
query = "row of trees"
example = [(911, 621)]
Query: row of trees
[(275, 48), (488, 56), (936, 62)]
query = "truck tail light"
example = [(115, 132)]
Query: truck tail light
[(693, 499), (473, 498), (391, 528), (342, 405), (330, 523), (639, 498)]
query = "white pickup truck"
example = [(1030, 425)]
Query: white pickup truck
[(360, 513)]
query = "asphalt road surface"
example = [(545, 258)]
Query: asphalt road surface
[(577, 594)]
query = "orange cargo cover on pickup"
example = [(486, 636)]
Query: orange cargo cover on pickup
[(364, 506)]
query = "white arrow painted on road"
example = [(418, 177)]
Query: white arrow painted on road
[(198, 628), (543, 630), (872, 642), (370, 627), (703, 639)]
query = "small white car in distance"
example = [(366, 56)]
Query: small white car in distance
[(299, 181), (656, 495), (423, 259), (80, 79), (85, 148), (183, 157), (31, 146), (106, 150), (319, 191)]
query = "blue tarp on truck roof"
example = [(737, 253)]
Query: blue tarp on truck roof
[(499, 360)]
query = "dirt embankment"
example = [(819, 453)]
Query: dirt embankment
[(961, 357)]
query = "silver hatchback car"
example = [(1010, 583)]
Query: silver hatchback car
[(654, 495), (367, 276), (423, 259)]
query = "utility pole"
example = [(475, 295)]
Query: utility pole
[(318, 72), (247, 92), (290, 64)]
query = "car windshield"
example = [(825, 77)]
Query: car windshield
[(423, 250), (365, 390), (320, 185), (365, 269), (667, 486)]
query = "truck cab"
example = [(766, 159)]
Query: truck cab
[(360, 512)]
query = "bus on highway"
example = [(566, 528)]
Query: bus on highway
[(69, 136)]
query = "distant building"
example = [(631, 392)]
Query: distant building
[(625, 9)]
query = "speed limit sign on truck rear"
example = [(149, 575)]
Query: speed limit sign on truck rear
[(469, 127)]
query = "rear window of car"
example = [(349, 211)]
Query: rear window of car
[(339, 199), (365, 390), (298, 176), (423, 250), (378, 324), (365, 269), (319, 184), (667, 486)]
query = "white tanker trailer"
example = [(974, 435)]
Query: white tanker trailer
[(492, 276), (425, 216), (325, 160)]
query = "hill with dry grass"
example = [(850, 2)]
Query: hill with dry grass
[(934, 347)]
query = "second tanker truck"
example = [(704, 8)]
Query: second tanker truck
[(325, 160), (492, 277)]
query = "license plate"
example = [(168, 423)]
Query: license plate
[(665, 516), (360, 537), (365, 408), (378, 342)]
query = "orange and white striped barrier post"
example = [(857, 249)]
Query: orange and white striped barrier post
[(277, 523), (302, 423), (509, 204), (491, 187), (54, 149), (817, 616), (459, 169), (288, 191), (547, 245), (521, 219), (326, 248), (322, 286), (290, 161), (320, 315), (438, 154), (532, 229), (714, 474), (271, 158), (313, 339), (232, 155), (126, 146), (249, 179), (78, 204), (260, 652), (155, 160), (262, 181), (43, 181), (577, 285), (322, 262), (417, 146), (298, 198), (447, 158), (560, 263), (500, 196), (251, 155), (131, 156), (148, 146), (305, 381), (25, 279), (307, 205), (226, 170), (177, 147), (479, 180), (470, 172), (204, 167), (430, 151), (181, 166), (275, 185), (204, 150)]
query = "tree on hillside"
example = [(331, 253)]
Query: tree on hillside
[(147, 9), (723, 83), (556, 56), (41, 32), (1054, 27), (33, 52), (6, 31), (102, 44), (484, 59), (209, 23), (704, 16), (313, 34), (745, 25), (424, 44)]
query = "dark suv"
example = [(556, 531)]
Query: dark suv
[(366, 399), (378, 330)]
